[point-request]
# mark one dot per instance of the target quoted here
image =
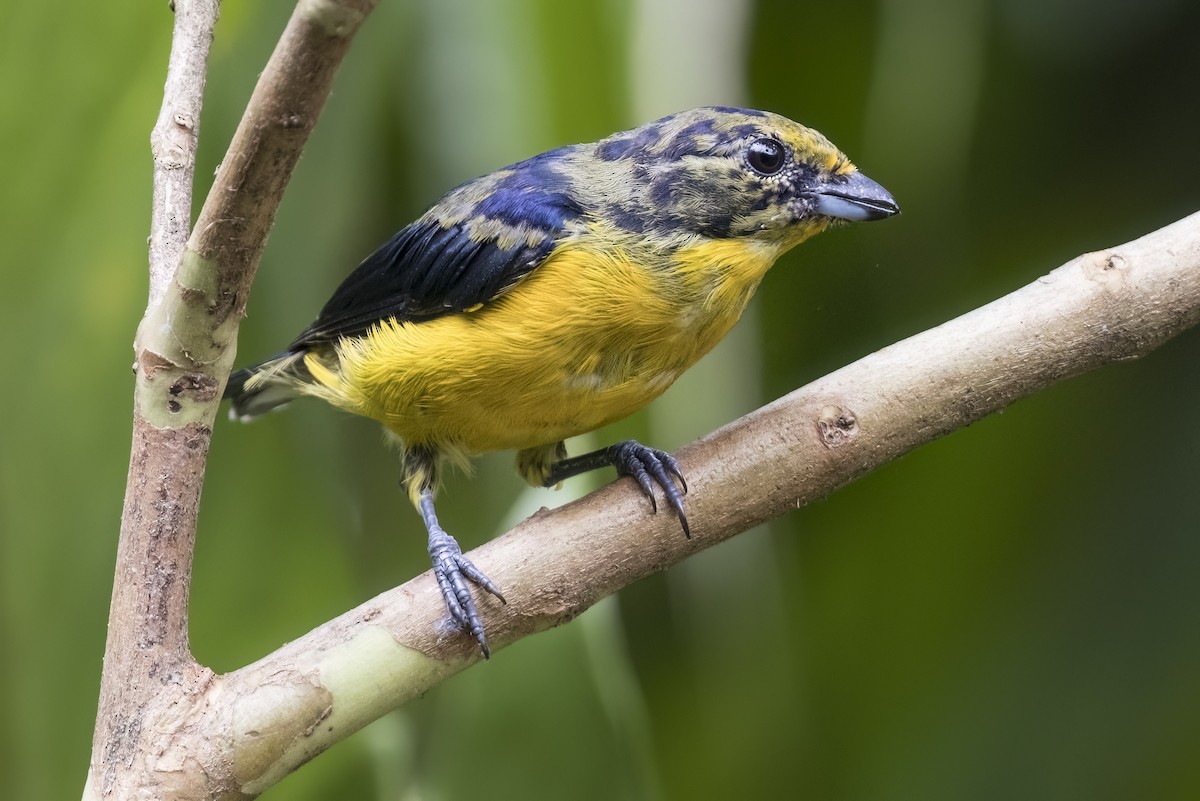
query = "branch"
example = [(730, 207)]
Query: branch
[(263, 721), (184, 348), (174, 137)]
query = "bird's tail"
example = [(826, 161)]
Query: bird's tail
[(267, 385)]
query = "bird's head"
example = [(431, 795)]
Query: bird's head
[(727, 172)]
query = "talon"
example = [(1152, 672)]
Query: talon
[(452, 571), (673, 465), (643, 463), (476, 576), (642, 476)]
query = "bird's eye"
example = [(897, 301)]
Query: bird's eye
[(766, 156)]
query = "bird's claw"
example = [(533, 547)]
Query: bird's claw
[(452, 571), (648, 466)]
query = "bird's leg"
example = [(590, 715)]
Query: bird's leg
[(647, 466), (450, 567)]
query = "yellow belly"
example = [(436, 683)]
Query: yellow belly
[(585, 340)]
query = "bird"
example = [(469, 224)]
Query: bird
[(557, 295)]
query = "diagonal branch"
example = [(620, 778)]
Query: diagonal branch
[(274, 715)]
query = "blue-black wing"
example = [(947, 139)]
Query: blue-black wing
[(430, 268), (423, 272)]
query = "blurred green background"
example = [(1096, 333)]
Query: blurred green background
[(1010, 612)]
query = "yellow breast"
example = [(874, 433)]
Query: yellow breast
[(588, 338)]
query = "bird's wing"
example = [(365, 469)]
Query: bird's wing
[(432, 268)]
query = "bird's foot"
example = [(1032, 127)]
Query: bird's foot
[(453, 571), (649, 466)]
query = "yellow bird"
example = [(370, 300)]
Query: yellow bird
[(559, 294)]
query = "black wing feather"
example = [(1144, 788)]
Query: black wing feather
[(423, 272), (444, 269), (431, 268)]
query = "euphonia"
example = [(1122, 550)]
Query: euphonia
[(559, 294)]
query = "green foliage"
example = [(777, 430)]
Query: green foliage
[(1007, 613)]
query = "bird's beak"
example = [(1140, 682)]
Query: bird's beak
[(855, 198)]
